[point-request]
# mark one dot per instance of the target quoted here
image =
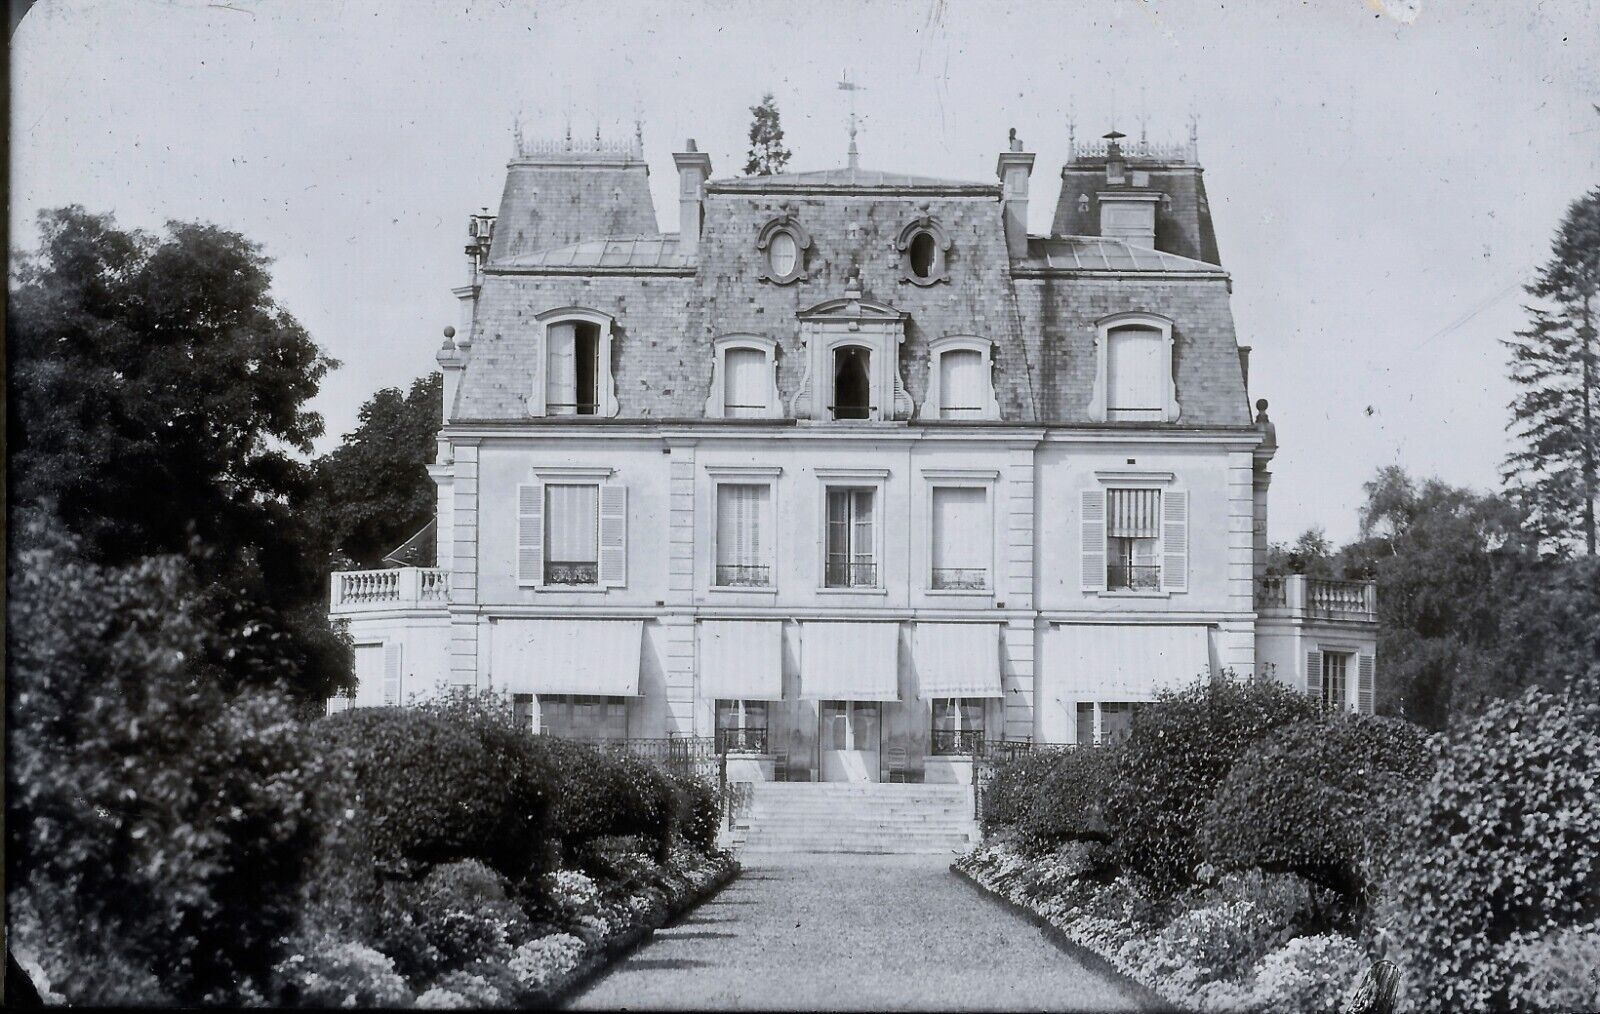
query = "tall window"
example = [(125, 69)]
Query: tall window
[(741, 726), (961, 539), (744, 552), (1335, 679), (522, 709), (1133, 530), (851, 560), (962, 385), (852, 384), (1137, 375), (585, 717), (957, 725), (746, 383), (572, 535), (1105, 722), (573, 368)]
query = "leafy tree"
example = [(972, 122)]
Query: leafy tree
[(373, 490), (158, 399), (1555, 362), (1310, 554), (767, 153)]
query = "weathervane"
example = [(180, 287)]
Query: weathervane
[(847, 85)]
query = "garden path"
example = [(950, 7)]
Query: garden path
[(852, 932)]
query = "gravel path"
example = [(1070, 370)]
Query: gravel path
[(839, 932)]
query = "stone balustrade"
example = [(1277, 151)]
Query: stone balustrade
[(1315, 597), (353, 591)]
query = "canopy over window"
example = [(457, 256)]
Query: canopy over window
[(1127, 662), (596, 657), (850, 662), (1133, 513), (741, 659), (957, 659)]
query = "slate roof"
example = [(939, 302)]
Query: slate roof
[(845, 177), (614, 252), (1095, 253)]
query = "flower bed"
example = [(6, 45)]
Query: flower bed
[(1225, 948)]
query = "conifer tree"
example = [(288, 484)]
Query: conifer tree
[(1555, 363), (767, 153)]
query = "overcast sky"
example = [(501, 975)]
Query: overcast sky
[(1383, 173)]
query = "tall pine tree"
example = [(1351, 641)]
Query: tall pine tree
[(767, 153), (1555, 363)]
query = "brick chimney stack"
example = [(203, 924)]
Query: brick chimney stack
[(694, 168), (1014, 168)]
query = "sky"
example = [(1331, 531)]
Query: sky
[(1383, 174)]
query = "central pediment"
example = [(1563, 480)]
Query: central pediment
[(851, 307)]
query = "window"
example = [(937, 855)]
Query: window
[(741, 726), (1134, 377), (852, 383), (782, 254), (851, 547), (584, 717), (957, 725), (923, 247), (572, 534), (784, 242), (961, 539), (1335, 679), (743, 382), (849, 725), (522, 709), (744, 551), (1101, 723), (1133, 532), (923, 244), (960, 382), (573, 384)]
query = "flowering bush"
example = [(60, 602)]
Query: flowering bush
[(541, 961), (1309, 975), (1499, 845), (1559, 971), (1206, 944), (463, 914), (323, 972), (442, 999), (699, 815)]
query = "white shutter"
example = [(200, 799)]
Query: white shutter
[(1134, 374), (960, 384), (1364, 688), (1175, 540), (745, 388), (393, 689), (1314, 675), (561, 369), (1092, 516), (959, 541), (613, 535), (530, 534)]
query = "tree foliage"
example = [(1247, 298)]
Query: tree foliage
[(1555, 363), (767, 153), (158, 401), (373, 490)]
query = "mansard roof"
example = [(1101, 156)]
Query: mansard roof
[(1096, 253), (849, 178), (613, 252)]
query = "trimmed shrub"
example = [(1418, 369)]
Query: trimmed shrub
[(1215, 942), (1013, 787), (1314, 799), (1308, 975), (699, 815), (1499, 845), (1067, 803), (324, 972), (1177, 754), (599, 795), (1557, 972), (463, 913)]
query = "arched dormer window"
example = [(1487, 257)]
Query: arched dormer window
[(961, 379), (923, 244), (1134, 376), (744, 378), (783, 243), (572, 376)]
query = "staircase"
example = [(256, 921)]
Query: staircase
[(862, 818)]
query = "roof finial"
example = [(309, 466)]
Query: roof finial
[(846, 85), (1194, 138)]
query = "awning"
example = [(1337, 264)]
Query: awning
[(850, 662), (957, 659), (599, 657), (741, 659), (1129, 662)]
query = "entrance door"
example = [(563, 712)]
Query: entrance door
[(847, 740)]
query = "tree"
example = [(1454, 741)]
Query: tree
[(158, 406), (373, 491), (1556, 365), (767, 153), (1310, 554)]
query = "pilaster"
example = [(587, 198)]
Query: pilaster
[(464, 567)]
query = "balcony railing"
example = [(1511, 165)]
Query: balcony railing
[(571, 407), (742, 575), (960, 578), (1318, 598), (741, 740), (571, 572), (395, 588), (852, 575), (1133, 577), (956, 742)]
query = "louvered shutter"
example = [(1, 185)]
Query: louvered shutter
[(613, 535), (1364, 688), (530, 534), (1175, 540), (561, 377), (745, 390), (1314, 675), (1092, 515), (393, 688)]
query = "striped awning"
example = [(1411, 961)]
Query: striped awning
[(741, 659), (957, 659), (1133, 513), (598, 657), (850, 661), (1127, 662)]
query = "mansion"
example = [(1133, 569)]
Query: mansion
[(851, 472)]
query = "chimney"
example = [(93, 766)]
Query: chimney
[(1014, 168), (694, 168), (452, 360)]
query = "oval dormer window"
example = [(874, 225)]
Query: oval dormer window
[(923, 246), (924, 249), (782, 253)]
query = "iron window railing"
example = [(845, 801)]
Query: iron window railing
[(960, 578), (571, 572), (572, 407), (743, 575), (1135, 577), (957, 742), (748, 740), (851, 575)]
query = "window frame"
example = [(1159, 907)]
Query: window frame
[(723, 475), (924, 225), (788, 224), (960, 478), (579, 483), (577, 475), (875, 479), (1166, 483), (741, 707), (1351, 657), (605, 379), (933, 404), (872, 408), (716, 401), (1099, 402)]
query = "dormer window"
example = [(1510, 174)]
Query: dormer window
[(1130, 217), (852, 382), (743, 380), (923, 249), (960, 380), (923, 244), (783, 253), (1134, 376), (574, 378), (783, 242)]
